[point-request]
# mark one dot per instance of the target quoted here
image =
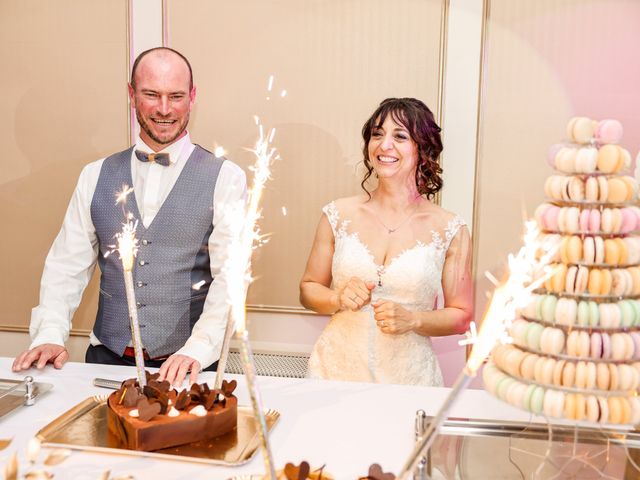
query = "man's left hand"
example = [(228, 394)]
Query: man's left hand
[(176, 367)]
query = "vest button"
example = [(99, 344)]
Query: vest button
[(145, 242), (140, 284), (142, 262), (138, 304)]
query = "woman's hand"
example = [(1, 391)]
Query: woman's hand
[(393, 318), (355, 294)]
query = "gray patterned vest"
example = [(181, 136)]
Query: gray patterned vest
[(173, 255)]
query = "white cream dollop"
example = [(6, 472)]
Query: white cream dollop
[(134, 413), (198, 411), (173, 412)]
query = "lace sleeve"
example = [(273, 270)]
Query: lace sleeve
[(331, 212), (452, 229)]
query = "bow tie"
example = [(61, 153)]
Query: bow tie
[(159, 158)]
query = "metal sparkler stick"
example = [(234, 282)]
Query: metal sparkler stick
[(127, 248), (224, 351), (248, 365)]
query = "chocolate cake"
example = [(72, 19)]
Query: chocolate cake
[(157, 416)]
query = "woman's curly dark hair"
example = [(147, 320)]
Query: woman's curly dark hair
[(416, 117)]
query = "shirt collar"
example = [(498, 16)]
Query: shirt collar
[(175, 150)]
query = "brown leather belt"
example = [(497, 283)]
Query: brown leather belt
[(131, 353)]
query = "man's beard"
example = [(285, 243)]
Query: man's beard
[(144, 125)]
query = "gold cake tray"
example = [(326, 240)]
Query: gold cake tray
[(12, 393), (84, 427)]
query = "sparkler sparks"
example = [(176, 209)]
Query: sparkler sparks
[(246, 229), (527, 271), (121, 197), (471, 335), (127, 244)]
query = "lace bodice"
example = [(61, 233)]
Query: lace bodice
[(413, 279)]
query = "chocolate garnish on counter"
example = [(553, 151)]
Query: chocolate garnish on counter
[(293, 472), (147, 410), (376, 473)]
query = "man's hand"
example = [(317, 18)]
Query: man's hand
[(40, 356), (175, 369)]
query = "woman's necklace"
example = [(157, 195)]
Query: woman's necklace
[(391, 230)]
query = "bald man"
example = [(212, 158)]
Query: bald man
[(183, 233)]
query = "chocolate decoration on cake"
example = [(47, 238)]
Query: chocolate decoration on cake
[(147, 410), (183, 400), (228, 387), (130, 397)]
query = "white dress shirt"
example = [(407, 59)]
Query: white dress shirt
[(74, 253)]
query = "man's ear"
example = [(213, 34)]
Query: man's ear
[(192, 95), (131, 94)]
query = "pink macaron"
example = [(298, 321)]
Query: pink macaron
[(606, 345), (550, 218), (609, 131), (635, 337), (629, 220), (585, 216), (594, 220)]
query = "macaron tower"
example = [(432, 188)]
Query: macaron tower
[(576, 346)]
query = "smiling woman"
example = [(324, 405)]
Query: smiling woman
[(380, 260)]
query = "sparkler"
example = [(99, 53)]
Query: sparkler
[(128, 248), (238, 270), (526, 273)]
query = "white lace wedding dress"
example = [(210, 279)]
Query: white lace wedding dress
[(352, 347)]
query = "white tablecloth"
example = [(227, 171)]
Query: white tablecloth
[(346, 426)]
